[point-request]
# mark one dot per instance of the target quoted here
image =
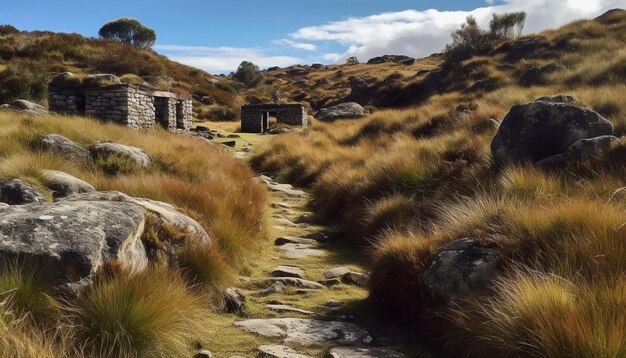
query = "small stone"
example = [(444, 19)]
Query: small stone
[(278, 351), (287, 308), (355, 278), (287, 271), (336, 272), (297, 282), (276, 287), (331, 282), (235, 300), (203, 354), (360, 352), (293, 240)]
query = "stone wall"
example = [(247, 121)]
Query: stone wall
[(184, 114), (125, 104), (254, 117)]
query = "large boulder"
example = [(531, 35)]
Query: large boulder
[(64, 147), (25, 106), (135, 155), (348, 110), (71, 241), (537, 130), (100, 79), (461, 269), (17, 192), (63, 184), (165, 212), (359, 87)]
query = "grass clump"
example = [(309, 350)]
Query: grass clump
[(153, 314)]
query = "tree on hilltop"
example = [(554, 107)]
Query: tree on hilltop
[(249, 74), (129, 31)]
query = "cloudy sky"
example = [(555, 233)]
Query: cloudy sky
[(217, 35)]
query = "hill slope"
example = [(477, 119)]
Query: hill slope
[(478, 257)]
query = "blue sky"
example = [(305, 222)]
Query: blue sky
[(217, 35)]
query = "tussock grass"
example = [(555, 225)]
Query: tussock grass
[(404, 182), (152, 314), (156, 313)]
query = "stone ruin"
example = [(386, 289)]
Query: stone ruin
[(255, 118), (137, 106)]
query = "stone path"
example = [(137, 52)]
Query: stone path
[(303, 271)]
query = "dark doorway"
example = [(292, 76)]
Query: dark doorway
[(180, 117), (162, 111), (81, 104)]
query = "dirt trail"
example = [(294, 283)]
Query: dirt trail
[(304, 293)]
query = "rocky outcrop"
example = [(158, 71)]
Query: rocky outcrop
[(391, 59), (537, 75), (17, 192), (25, 106), (64, 147), (136, 155), (535, 131), (559, 98), (165, 212), (63, 184), (74, 238), (348, 110), (71, 241), (460, 269)]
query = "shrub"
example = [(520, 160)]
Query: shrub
[(353, 60), (149, 314), (249, 74), (223, 113), (204, 265), (129, 31), (8, 30), (117, 165), (26, 291)]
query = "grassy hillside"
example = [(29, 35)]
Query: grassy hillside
[(156, 313), (29, 59), (404, 182)]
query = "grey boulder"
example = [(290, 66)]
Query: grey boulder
[(26, 106), (235, 300), (73, 240), (537, 75), (64, 147), (580, 150), (17, 192), (537, 130), (99, 78), (461, 269), (347, 110), (63, 184), (278, 351), (136, 155)]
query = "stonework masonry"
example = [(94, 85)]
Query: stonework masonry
[(255, 117), (126, 104)]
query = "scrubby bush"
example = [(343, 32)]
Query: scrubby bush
[(249, 74), (8, 30), (353, 60)]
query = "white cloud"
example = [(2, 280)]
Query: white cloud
[(294, 44), (331, 56), (222, 59), (420, 33)]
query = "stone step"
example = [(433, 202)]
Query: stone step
[(297, 282), (288, 309), (287, 271)]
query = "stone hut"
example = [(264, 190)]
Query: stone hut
[(137, 106), (255, 117)]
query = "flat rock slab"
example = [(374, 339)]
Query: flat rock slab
[(63, 184), (300, 251), (297, 282), (336, 272), (286, 189), (306, 331), (278, 351), (287, 271), (294, 240), (359, 352), (288, 309), (275, 287)]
